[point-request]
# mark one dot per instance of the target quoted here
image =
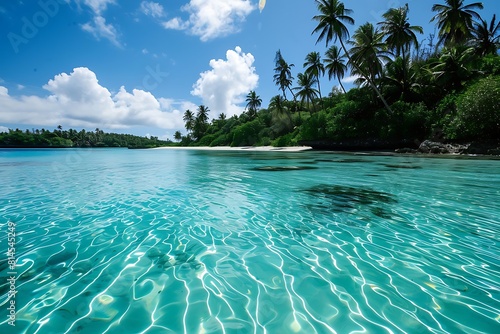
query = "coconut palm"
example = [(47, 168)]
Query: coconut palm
[(335, 65), (453, 67), (331, 26), (314, 67), (277, 104), (399, 34), (368, 53), (189, 120), (454, 20), (201, 122), (486, 38), (253, 103), (178, 135), (283, 74), (306, 91)]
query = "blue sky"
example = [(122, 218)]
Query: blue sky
[(136, 66)]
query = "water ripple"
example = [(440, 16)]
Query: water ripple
[(142, 242)]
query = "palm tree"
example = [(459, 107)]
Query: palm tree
[(306, 92), (399, 34), (277, 104), (368, 52), (177, 135), (335, 65), (454, 20), (189, 120), (401, 78), (283, 74), (253, 103), (331, 26), (453, 67), (486, 39), (399, 37), (314, 67), (201, 122)]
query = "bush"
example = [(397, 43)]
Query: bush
[(314, 127), (247, 134), (222, 140), (286, 140), (408, 121), (478, 112), (207, 140)]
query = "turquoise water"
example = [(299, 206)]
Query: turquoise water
[(178, 241)]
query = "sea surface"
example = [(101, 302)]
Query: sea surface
[(187, 241)]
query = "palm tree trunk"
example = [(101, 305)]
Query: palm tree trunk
[(341, 85), (367, 78), (319, 90)]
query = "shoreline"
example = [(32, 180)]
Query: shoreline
[(239, 148)]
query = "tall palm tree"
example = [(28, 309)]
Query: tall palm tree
[(253, 103), (201, 121), (335, 65), (368, 53), (283, 74), (399, 34), (486, 39), (331, 26), (399, 37), (306, 91), (188, 118), (454, 20), (314, 67)]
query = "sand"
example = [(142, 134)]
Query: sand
[(242, 148)]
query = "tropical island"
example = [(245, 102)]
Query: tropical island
[(445, 88)]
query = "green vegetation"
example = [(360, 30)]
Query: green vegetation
[(405, 92), (60, 138), (447, 89)]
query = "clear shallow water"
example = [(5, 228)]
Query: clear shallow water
[(160, 241)]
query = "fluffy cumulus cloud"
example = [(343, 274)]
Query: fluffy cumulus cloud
[(210, 19), (228, 82), (151, 8), (77, 99)]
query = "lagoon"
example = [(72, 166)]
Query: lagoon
[(192, 241)]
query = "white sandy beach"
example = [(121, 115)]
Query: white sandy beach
[(242, 148)]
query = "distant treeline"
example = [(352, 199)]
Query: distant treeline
[(60, 138)]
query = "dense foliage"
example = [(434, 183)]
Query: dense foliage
[(447, 89), (60, 138)]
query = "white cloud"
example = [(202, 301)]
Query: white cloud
[(78, 100), (176, 24), (210, 19), (100, 29), (98, 26), (224, 86), (350, 79), (4, 129), (153, 9), (98, 6), (20, 87)]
